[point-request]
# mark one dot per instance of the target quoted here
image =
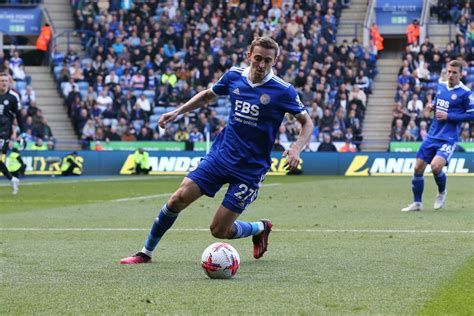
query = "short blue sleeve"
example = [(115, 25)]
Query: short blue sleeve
[(221, 87), (292, 103), (470, 105)]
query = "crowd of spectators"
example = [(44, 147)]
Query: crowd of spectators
[(148, 58)]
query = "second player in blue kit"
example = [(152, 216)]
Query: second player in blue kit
[(453, 104), (240, 155)]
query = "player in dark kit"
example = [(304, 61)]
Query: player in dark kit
[(9, 110)]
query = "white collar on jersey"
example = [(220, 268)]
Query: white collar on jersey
[(459, 85), (267, 78)]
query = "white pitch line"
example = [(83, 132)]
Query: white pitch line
[(365, 231), (271, 185), (60, 180), (145, 197)]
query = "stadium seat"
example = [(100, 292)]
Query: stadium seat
[(137, 93), (20, 85), (159, 110), (83, 94), (83, 85), (149, 93), (220, 110), (153, 125), (57, 71), (85, 61), (222, 101), (154, 118)]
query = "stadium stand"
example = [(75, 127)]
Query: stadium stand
[(139, 63)]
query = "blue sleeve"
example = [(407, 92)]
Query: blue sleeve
[(221, 87), (292, 103), (466, 116)]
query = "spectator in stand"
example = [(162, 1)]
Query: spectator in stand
[(348, 147), (16, 60), (144, 134), (144, 104), (170, 78), (76, 72), (415, 105), (412, 132), (196, 135), (88, 133), (413, 32), (69, 87), (138, 116), (398, 131), (104, 100), (138, 81), (71, 56), (57, 57), (327, 144), (109, 116), (423, 131), (470, 36), (181, 135), (27, 96), (42, 43), (112, 135), (111, 80)]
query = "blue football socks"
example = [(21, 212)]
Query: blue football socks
[(440, 179), (417, 186), (161, 224), (245, 229)]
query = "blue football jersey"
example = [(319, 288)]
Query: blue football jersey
[(257, 112), (458, 102)]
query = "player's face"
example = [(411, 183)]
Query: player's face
[(4, 84), (261, 61), (454, 75)]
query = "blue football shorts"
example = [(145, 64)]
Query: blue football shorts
[(210, 176), (432, 147)]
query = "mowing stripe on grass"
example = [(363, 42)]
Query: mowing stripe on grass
[(453, 296), (168, 194), (362, 231)]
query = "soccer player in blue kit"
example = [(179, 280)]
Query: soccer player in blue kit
[(240, 155), (453, 104)]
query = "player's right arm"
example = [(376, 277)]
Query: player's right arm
[(200, 99)]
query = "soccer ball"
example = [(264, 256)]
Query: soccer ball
[(220, 261)]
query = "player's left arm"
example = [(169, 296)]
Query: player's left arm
[(468, 115), (293, 153), (17, 112)]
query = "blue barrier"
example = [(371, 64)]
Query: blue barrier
[(168, 163)]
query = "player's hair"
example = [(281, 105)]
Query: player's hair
[(456, 63), (265, 42)]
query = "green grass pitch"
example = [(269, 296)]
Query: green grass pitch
[(339, 246)]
